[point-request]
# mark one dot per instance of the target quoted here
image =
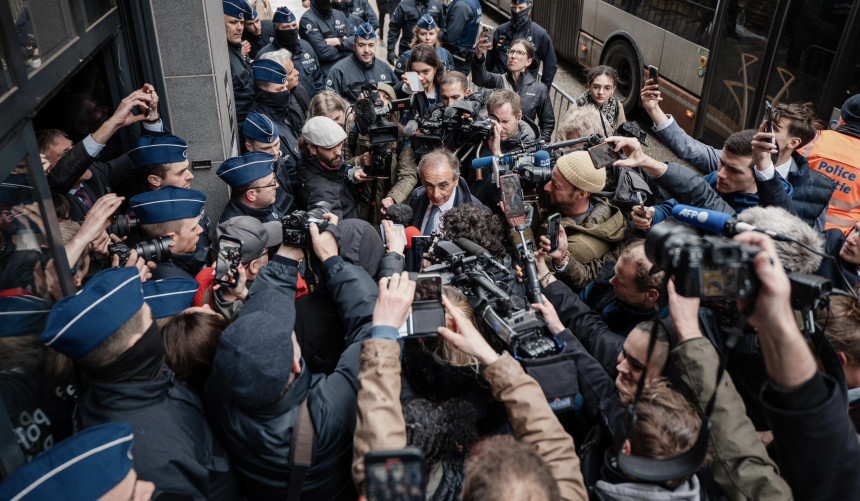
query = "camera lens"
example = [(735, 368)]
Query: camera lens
[(662, 239), (157, 251), (124, 225)]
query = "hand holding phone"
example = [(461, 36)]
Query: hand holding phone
[(414, 82), (653, 74), (228, 261), (512, 196), (603, 155), (395, 474), (768, 124), (427, 314), (553, 227)]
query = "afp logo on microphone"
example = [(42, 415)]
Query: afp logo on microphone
[(700, 216)]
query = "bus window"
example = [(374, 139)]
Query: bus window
[(688, 20)]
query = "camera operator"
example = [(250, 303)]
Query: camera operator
[(254, 189), (739, 183), (174, 213), (441, 189), (536, 104), (347, 76), (581, 122), (393, 186), (323, 175), (261, 387)]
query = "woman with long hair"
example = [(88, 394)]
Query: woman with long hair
[(426, 63), (602, 82), (426, 31)]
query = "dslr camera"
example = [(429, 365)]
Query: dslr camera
[(708, 267), (156, 250), (296, 225), (123, 225), (371, 119)]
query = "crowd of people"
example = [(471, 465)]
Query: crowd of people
[(264, 352)]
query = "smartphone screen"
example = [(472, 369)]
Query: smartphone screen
[(396, 226), (603, 155), (227, 263), (512, 195), (653, 74), (394, 475), (428, 314), (414, 82), (553, 229)]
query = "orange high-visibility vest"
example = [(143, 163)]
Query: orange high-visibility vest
[(837, 156)]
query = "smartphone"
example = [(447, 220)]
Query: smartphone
[(396, 226), (553, 229), (394, 475), (487, 31), (228, 261), (653, 74), (768, 119), (512, 195), (414, 82), (428, 314), (603, 155)]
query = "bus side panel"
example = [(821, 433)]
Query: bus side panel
[(676, 102), (683, 62), (648, 37)]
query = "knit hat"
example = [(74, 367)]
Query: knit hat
[(851, 110), (579, 170)]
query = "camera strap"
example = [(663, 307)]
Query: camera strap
[(301, 451)]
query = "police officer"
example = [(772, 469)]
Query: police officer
[(463, 20), (258, 32), (403, 21), (262, 134), (347, 75), (521, 26), (311, 76), (109, 331), (274, 99), (254, 190), (426, 27), (235, 13), (329, 32), (359, 11)]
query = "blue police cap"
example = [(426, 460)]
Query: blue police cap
[(84, 466), (267, 70), (23, 315), (78, 324), (169, 296), (239, 171), (427, 22), (152, 150), (167, 204), (283, 15), (254, 14), (259, 127), (365, 31), (237, 8), (518, 2)]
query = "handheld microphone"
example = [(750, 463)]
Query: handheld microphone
[(542, 159), (717, 222), (400, 214), (411, 231)]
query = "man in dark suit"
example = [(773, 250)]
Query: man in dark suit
[(441, 189)]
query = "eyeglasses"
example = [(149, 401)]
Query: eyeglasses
[(607, 88), (273, 185), (520, 53)]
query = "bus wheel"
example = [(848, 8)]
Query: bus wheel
[(621, 56)]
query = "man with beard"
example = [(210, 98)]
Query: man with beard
[(521, 26), (258, 33), (108, 330), (235, 13), (311, 76), (329, 32), (274, 99), (347, 76), (323, 174)]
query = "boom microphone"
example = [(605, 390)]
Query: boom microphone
[(399, 214), (717, 222), (410, 129), (479, 252), (365, 114)]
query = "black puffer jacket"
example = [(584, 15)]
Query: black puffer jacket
[(317, 184), (259, 440)]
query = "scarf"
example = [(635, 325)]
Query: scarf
[(609, 110), (141, 362)]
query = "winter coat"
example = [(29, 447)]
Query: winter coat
[(419, 201), (311, 75), (404, 19), (535, 95), (259, 440), (243, 82), (315, 28), (317, 184), (504, 37), (347, 75)]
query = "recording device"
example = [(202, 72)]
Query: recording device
[(371, 119), (460, 124), (398, 227), (487, 31), (512, 196), (717, 222), (399, 214), (427, 313), (394, 475), (708, 267), (228, 260), (507, 320), (603, 155), (414, 82), (768, 123), (123, 225), (553, 230), (156, 250), (653, 74), (296, 225)]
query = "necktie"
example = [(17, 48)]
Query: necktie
[(431, 221), (85, 197)]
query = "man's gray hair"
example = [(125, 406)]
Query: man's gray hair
[(280, 56), (778, 220), (437, 157), (583, 122)]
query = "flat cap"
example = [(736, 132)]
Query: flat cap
[(323, 131)]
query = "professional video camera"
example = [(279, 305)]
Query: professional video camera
[(508, 321), (296, 225), (123, 225), (708, 267), (533, 161), (156, 250), (460, 125), (371, 119)]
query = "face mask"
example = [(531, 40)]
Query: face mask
[(521, 18), (288, 39), (274, 100), (324, 6), (141, 362)]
